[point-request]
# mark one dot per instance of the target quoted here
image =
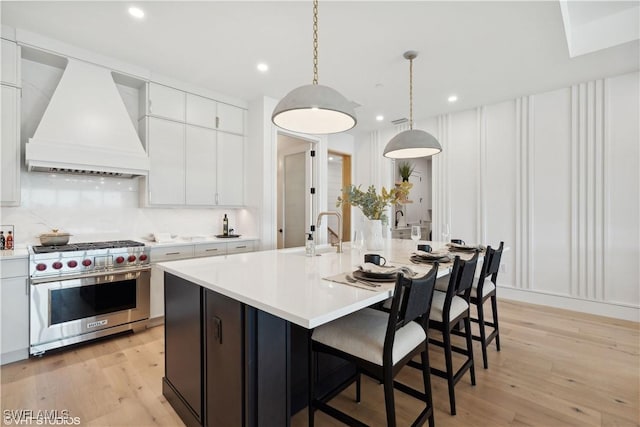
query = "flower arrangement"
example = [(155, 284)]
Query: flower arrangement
[(370, 202)]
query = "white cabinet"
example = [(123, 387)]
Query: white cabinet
[(202, 111), (200, 171), (172, 253), (166, 147), (230, 119), (166, 102), (230, 169), (10, 146), (10, 71), (14, 305)]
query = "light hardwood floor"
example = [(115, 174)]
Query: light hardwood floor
[(556, 368)]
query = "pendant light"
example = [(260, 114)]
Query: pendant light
[(413, 142), (314, 109)]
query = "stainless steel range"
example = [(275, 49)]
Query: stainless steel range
[(84, 291)]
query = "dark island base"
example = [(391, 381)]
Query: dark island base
[(227, 363)]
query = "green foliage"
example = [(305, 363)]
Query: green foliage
[(370, 202), (405, 169)]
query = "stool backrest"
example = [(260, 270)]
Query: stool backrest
[(411, 301), (490, 266), (460, 282)]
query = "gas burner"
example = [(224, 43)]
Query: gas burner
[(87, 246)]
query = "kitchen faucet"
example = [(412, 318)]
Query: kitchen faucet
[(398, 212), (337, 215)]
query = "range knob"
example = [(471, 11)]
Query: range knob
[(72, 264), (143, 257), (131, 258), (41, 267), (57, 265), (86, 262), (120, 259)]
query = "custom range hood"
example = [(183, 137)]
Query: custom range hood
[(86, 128)]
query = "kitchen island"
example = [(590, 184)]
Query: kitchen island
[(237, 330)]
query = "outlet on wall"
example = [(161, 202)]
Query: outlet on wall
[(503, 268)]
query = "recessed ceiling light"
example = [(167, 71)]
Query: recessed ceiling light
[(452, 98), (262, 67), (379, 117), (330, 158), (136, 12)]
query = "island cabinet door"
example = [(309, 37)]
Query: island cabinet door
[(182, 384), (224, 338)]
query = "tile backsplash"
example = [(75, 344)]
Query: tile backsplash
[(96, 208)]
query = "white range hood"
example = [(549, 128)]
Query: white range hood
[(86, 129)]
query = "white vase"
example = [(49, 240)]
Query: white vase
[(374, 235)]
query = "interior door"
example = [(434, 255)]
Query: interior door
[(294, 200)]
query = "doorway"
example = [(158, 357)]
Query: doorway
[(295, 177), (338, 177)]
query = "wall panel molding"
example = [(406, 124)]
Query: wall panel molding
[(588, 130), (441, 179), (524, 195)]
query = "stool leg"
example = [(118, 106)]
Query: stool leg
[(472, 369), (311, 391), (389, 401), (446, 341), (483, 333), (358, 383), (426, 378), (494, 309)]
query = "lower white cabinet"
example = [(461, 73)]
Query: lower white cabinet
[(174, 253), (14, 305)]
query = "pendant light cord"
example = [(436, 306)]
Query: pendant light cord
[(411, 93), (315, 42)]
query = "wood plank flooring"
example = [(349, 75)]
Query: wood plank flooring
[(556, 368)]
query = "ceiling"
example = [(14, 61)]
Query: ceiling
[(483, 52)]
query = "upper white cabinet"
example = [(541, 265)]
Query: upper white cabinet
[(214, 115), (166, 145), (230, 119), (10, 71), (201, 111), (230, 169), (166, 102), (200, 177), (10, 147)]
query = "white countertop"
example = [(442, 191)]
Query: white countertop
[(181, 241), (290, 285)]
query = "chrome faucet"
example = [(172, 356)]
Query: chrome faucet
[(337, 215), (398, 212)]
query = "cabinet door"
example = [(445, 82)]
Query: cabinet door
[(230, 118), (414, 212), (200, 161), (9, 71), (230, 169), (166, 154), (183, 340), (224, 340), (201, 111), (10, 147), (156, 293), (15, 319), (166, 102)]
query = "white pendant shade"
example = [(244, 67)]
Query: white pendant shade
[(411, 144), (314, 109)]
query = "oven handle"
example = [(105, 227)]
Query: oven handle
[(116, 276)]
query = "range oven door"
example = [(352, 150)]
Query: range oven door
[(69, 311)]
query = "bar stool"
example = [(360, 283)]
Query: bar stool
[(448, 309), (483, 290), (380, 344)]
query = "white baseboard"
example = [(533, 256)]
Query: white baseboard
[(155, 321), (14, 356), (600, 308)]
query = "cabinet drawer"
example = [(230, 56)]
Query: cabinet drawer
[(401, 234), (14, 267), (239, 247), (211, 249), (171, 253)]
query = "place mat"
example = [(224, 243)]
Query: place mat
[(341, 278)]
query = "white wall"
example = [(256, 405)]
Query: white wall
[(555, 175)]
